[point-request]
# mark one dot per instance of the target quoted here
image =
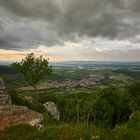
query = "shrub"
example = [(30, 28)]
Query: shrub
[(18, 100)]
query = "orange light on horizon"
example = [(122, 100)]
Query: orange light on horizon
[(18, 55)]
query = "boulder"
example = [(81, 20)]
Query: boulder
[(52, 109), (12, 114)]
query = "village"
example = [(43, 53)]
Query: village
[(89, 81)]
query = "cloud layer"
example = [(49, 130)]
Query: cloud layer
[(62, 25)]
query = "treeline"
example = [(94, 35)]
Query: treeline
[(135, 73)]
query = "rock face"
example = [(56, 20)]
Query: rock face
[(12, 114), (5, 99), (2, 86), (52, 110)]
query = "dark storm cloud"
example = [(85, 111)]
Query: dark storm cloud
[(32, 8), (26, 34), (28, 23), (100, 18)]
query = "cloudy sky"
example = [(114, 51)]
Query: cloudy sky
[(106, 30)]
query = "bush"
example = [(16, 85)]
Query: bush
[(134, 121), (18, 100), (134, 93)]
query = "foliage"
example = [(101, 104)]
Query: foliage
[(129, 130), (33, 68), (103, 108), (18, 100), (134, 121), (134, 93)]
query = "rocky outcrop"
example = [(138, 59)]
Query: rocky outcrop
[(2, 86), (5, 99), (12, 114), (52, 110)]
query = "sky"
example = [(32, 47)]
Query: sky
[(98, 30)]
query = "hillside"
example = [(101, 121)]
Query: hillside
[(107, 110)]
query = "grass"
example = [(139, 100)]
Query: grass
[(53, 132), (68, 132)]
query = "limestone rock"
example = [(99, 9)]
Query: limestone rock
[(5, 99), (36, 123), (52, 110), (2, 86), (12, 114)]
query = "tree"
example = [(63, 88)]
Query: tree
[(34, 69)]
